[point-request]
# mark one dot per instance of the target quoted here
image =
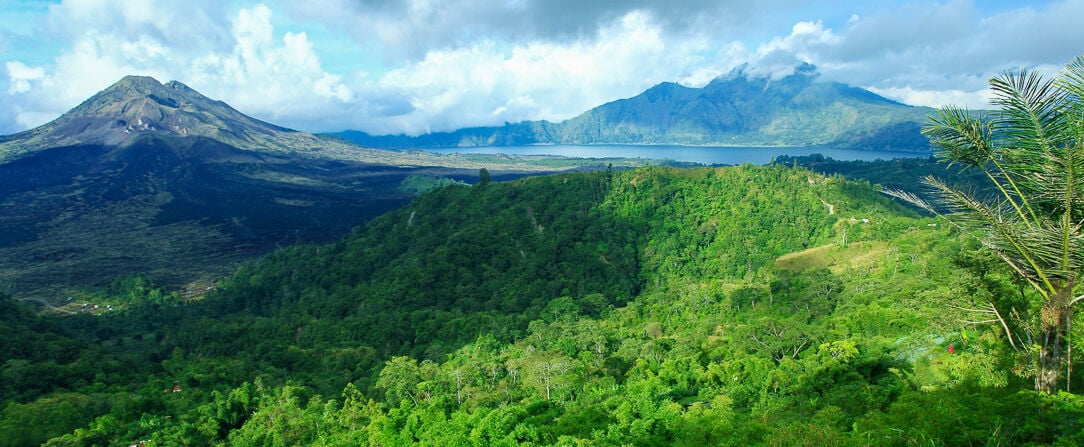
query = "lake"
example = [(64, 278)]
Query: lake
[(727, 155)]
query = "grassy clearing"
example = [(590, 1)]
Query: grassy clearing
[(832, 257)]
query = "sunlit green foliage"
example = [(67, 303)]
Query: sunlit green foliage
[(731, 306), (417, 184)]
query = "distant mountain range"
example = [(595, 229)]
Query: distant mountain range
[(138, 106), (739, 109)]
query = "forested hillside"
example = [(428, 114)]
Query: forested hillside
[(715, 306)]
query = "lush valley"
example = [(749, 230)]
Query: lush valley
[(713, 306)]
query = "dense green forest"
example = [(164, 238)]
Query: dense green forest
[(715, 306), (904, 174)]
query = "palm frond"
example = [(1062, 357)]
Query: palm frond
[(959, 137), (1059, 182), (1044, 243), (911, 198), (1058, 246), (998, 229), (1028, 120), (1072, 80)]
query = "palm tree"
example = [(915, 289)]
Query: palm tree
[(1032, 149)]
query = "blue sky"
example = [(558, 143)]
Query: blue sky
[(416, 66)]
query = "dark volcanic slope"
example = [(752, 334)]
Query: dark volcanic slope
[(178, 209)]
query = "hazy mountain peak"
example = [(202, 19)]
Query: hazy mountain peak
[(664, 90), (178, 86), (136, 106), (804, 71), (137, 82)]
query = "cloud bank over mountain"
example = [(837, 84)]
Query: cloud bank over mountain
[(425, 65)]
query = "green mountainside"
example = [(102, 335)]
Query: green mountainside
[(729, 306), (739, 109)]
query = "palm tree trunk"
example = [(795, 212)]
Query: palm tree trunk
[(1051, 362), (1055, 316)]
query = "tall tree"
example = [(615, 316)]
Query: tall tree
[(1032, 149)]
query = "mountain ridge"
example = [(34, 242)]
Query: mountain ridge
[(140, 105), (738, 109)]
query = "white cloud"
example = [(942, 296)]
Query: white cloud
[(276, 80), (190, 26), (273, 79), (487, 83), (409, 30), (974, 100), (91, 64), (779, 56), (20, 76), (918, 53), (438, 65), (932, 53)]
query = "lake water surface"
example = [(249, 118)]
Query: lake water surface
[(729, 155)]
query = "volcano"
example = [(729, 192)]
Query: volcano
[(154, 178)]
